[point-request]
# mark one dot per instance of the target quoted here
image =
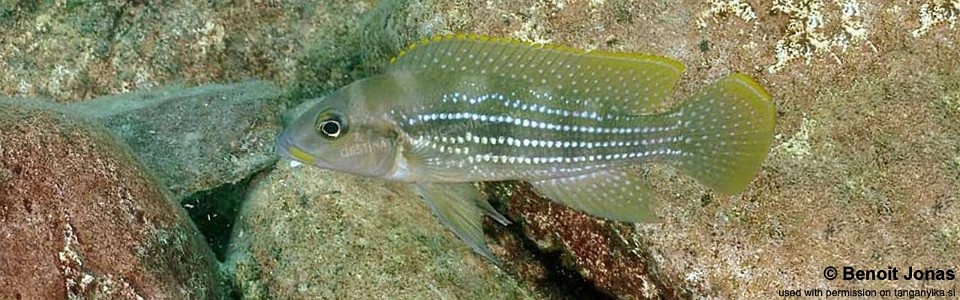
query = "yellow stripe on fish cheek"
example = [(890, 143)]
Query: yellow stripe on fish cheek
[(302, 156)]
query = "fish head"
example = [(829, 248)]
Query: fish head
[(342, 132)]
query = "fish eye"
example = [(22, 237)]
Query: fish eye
[(330, 124), (331, 128)]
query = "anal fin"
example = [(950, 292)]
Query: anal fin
[(460, 207), (612, 194)]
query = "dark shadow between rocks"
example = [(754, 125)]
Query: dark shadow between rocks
[(214, 212), (557, 281), (543, 269)]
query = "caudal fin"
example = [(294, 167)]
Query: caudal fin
[(727, 131)]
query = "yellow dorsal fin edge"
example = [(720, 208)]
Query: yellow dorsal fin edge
[(506, 40)]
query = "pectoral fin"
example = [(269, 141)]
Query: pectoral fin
[(612, 194), (460, 207)]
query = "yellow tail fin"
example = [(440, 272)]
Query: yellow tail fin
[(727, 132)]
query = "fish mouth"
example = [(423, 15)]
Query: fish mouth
[(288, 150)]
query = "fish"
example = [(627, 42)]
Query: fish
[(454, 110)]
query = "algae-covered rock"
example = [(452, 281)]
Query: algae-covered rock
[(311, 233), (78, 50), (195, 139), (80, 217)]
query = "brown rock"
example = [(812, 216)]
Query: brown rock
[(80, 217)]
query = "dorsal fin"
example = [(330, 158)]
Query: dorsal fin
[(640, 82)]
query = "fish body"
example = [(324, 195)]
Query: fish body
[(455, 110)]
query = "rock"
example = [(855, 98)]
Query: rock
[(80, 217), (311, 233), (78, 50), (195, 139)]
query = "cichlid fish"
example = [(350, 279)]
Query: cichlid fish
[(454, 110)]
